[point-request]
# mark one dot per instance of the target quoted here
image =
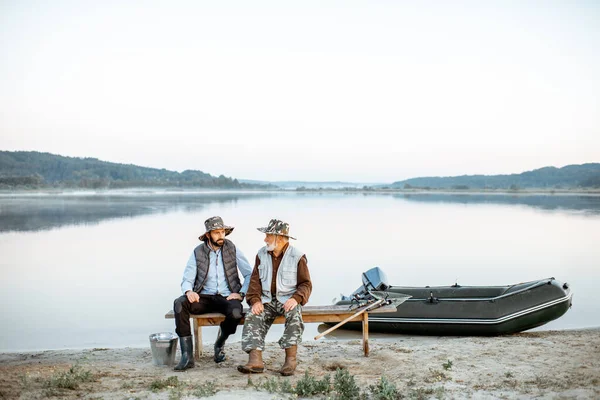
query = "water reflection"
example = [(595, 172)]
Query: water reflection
[(589, 204), (37, 213), (43, 213)]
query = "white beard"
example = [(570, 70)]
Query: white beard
[(271, 247)]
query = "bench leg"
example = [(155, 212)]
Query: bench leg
[(365, 332), (198, 340)]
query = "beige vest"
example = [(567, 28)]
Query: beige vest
[(287, 274)]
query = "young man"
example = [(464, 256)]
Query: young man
[(211, 284), (280, 285)]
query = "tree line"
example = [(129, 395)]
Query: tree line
[(31, 169), (568, 177)]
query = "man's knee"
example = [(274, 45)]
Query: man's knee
[(235, 309), (294, 313), (253, 321), (236, 313), (180, 304)]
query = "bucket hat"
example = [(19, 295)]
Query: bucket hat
[(213, 223), (277, 227)]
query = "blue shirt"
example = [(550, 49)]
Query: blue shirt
[(216, 281)]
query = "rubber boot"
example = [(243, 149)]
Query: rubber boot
[(187, 353), (289, 366), (219, 344), (255, 363)]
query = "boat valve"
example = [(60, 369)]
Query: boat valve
[(432, 299)]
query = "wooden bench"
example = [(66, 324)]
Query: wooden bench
[(309, 314)]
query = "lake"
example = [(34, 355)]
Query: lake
[(100, 270)]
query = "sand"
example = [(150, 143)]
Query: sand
[(545, 365)]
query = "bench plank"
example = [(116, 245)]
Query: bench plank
[(306, 310), (332, 313)]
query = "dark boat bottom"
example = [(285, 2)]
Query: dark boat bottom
[(519, 324)]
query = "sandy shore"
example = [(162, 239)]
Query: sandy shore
[(547, 365)]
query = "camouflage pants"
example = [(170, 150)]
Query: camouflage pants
[(257, 326)]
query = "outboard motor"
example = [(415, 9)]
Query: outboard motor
[(375, 279)]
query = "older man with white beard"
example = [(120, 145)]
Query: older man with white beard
[(279, 285)]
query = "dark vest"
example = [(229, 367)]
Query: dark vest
[(229, 263)]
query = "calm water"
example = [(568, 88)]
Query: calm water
[(101, 271)]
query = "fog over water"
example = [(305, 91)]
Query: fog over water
[(101, 270)]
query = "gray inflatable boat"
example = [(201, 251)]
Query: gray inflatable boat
[(464, 310)]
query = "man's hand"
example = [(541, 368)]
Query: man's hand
[(234, 296), (257, 308), (192, 296), (289, 305)]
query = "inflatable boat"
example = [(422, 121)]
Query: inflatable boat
[(464, 310)]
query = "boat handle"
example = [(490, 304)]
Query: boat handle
[(432, 300)]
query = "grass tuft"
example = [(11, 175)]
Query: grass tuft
[(447, 365), (205, 389), (309, 385), (271, 385), (69, 379), (427, 393), (160, 384), (286, 387), (384, 390), (436, 376), (345, 386)]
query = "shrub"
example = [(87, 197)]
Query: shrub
[(204, 390), (309, 386), (384, 390), (160, 384), (69, 379), (345, 386), (447, 365)]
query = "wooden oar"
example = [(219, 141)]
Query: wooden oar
[(333, 328)]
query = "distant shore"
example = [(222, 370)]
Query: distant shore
[(523, 192), (547, 365), (163, 190)]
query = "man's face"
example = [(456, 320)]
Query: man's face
[(270, 241), (217, 237)]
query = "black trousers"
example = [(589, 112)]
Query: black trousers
[(207, 304)]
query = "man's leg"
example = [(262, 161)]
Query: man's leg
[(294, 327), (232, 309), (233, 314), (256, 328), (183, 308), (292, 335), (253, 338)]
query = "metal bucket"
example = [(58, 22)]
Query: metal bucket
[(164, 347)]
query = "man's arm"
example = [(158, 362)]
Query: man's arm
[(189, 274), (255, 289), (304, 288), (245, 269)]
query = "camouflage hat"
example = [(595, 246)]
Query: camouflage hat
[(215, 223), (277, 227)]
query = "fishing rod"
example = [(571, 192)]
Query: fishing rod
[(381, 299), (379, 302)]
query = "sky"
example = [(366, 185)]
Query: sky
[(360, 91)]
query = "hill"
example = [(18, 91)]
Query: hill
[(31, 169), (568, 177)]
